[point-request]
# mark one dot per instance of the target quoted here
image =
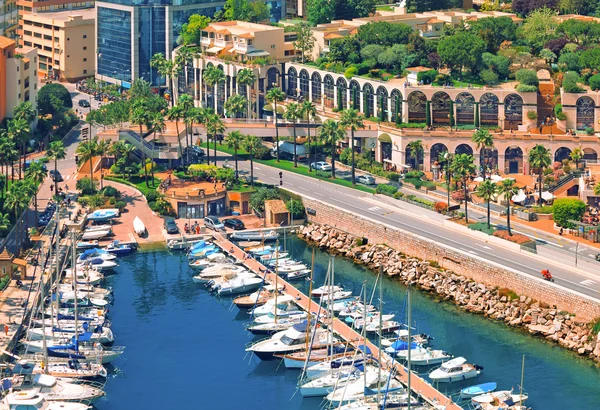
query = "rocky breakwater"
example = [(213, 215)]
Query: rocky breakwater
[(537, 317)]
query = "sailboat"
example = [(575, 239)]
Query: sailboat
[(255, 299), (374, 378), (34, 400)]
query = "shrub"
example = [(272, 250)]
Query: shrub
[(570, 81), (112, 200), (296, 208), (559, 173), (541, 209), (120, 204), (416, 182), (426, 202), (458, 195), (589, 131), (516, 238), (393, 176), (83, 201), (85, 186), (527, 77), (565, 209), (414, 174), (561, 116), (482, 227), (440, 207), (350, 72), (262, 194), (411, 125), (398, 195), (489, 77), (523, 88), (532, 115), (427, 76), (111, 191), (322, 174), (388, 190), (594, 82), (345, 156)]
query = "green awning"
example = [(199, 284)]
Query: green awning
[(385, 137)]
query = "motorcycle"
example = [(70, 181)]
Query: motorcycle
[(547, 275)]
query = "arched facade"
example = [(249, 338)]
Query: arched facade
[(562, 153), (436, 150), (513, 160), (328, 86), (440, 108), (488, 109), (585, 113), (409, 159), (590, 154), (292, 81), (342, 87), (513, 111), (273, 78), (396, 105), (382, 103), (465, 109), (489, 159), (316, 87), (464, 149), (417, 104), (304, 78), (369, 100), (355, 94)]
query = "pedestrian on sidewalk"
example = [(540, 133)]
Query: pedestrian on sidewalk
[(6, 329)]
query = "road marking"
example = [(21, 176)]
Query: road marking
[(485, 247), (588, 282), (474, 253), (374, 208), (67, 177)]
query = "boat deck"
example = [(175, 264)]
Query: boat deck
[(418, 384)]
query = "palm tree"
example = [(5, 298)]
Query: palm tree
[(275, 95), (184, 56), (484, 141), (508, 189), (198, 116), (165, 68), (250, 144), (293, 113), (17, 199), (122, 150), (487, 190), (463, 167), (214, 126), (140, 115), (576, 156), (56, 151), (4, 221), (157, 123), (18, 131), (247, 77), (416, 148), (6, 148), (37, 174), (308, 111), (86, 151), (24, 111), (539, 158), (186, 104), (352, 119), (235, 105), (234, 141), (102, 149), (330, 133), (175, 114), (213, 76)]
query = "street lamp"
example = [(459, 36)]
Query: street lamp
[(447, 157)]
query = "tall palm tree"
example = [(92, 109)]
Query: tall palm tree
[(17, 199), (24, 111), (214, 127), (293, 113), (56, 151), (86, 151), (576, 156), (6, 148), (234, 141), (416, 148), (484, 141), (36, 174), (19, 131), (140, 115), (157, 123), (184, 57), (186, 104), (247, 77), (308, 111), (463, 167), (175, 114), (102, 149), (508, 189), (235, 105), (250, 144), (330, 133), (165, 68), (352, 119), (275, 95), (4, 221), (214, 76), (539, 159), (198, 116), (487, 190)]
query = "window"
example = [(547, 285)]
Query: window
[(68, 39), (85, 36), (37, 35), (19, 82), (56, 39), (47, 37), (85, 59), (4, 270), (249, 42), (84, 71), (34, 73), (46, 48), (47, 26), (290, 52), (19, 96), (26, 67), (43, 66), (56, 62), (27, 32), (85, 48), (38, 46), (273, 46), (27, 82), (57, 50), (27, 43), (35, 86)]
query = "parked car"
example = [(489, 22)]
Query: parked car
[(234, 224), (28, 164), (170, 226), (212, 222), (56, 176), (197, 150), (84, 103), (366, 179), (321, 166)]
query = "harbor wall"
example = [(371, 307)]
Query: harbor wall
[(544, 308)]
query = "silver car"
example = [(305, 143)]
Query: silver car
[(366, 179), (321, 166)]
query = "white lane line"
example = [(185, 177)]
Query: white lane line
[(374, 208), (474, 253), (588, 282), (316, 193), (485, 247)]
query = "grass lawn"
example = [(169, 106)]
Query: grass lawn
[(289, 166), (384, 7), (137, 182)]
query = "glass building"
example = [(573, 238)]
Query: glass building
[(130, 32)]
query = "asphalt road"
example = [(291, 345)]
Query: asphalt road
[(427, 224)]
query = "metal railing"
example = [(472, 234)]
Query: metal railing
[(564, 180)]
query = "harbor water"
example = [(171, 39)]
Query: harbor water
[(185, 347)]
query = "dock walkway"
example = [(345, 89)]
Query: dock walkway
[(418, 384)]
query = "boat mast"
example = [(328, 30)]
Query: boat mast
[(330, 352), (50, 274), (409, 345), (310, 289), (522, 381), (276, 275), (380, 331), (74, 271), (42, 299), (364, 335)]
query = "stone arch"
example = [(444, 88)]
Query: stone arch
[(513, 110), (441, 104), (562, 153), (328, 87), (209, 64), (382, 103), (488, 109), (464, 149), (417, 104), (436, 150), (355, 94), (341, 86), (513, 160), (585, 113), (590, 154), (273, 76), (292, 81), (316, 87), (465, 109), (396, 105), (369, 96), (304, 78), (412, 161), (488, 160)]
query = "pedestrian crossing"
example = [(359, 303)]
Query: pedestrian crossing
[(374, 208), (587, 282)]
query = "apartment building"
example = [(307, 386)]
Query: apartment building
[(65, 42), (18, 76), (42, 6), (8, 18)]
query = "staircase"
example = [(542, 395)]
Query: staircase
[(545, 103), (565, 183)]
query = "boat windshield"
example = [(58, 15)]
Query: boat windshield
[(286, 340)]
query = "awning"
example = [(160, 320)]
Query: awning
[(496, 178), (214, 49), (520, 197), (546, 196), (389, 161), (385, 137), (258, 53), (478, 179)]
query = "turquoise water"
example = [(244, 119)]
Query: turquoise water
[(185, 347)]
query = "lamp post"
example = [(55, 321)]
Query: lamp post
[(447, 159)]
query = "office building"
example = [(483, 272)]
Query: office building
[(18, 77), (8, 18)]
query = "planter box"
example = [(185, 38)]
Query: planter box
[(526, 216), (544, 217)]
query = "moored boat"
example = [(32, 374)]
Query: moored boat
[(103, 215), (455, 370), (261, 236), (138, 226)]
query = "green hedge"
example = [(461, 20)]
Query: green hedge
[(482, 227), (388, 190), (565, 209)]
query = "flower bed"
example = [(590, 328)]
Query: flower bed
[(516, 238)]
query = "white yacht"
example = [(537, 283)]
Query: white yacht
[(99, 334), (85, 275), (210, 260), (455, 370), (270, 317), (270, 328), (424, 356), (285, 303), (33, 399), (240, 284), (324, 290), (503, 399), (321, 386), (356, 390), (224, 273)]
